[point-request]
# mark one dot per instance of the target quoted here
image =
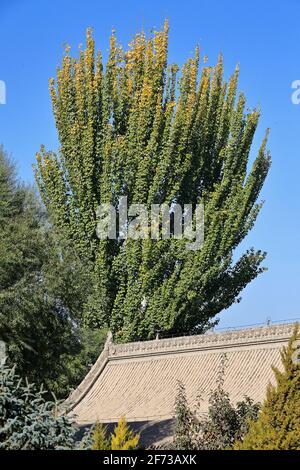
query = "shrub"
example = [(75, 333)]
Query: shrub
[(219, 429), (184, 424)]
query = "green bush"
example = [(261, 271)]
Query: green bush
[(219, 429)]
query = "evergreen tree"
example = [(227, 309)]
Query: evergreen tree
[(29, 319), (77, 361), (27, 420), (135, 129), (123, 438), (43, 287), (99, 438), (278, 426)]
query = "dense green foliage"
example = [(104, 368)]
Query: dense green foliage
[(43, 287), (278, 426), (135, 129), (223, 425), (76, 363), (27, 420)]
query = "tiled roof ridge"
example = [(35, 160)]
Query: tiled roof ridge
[(210, 340), (262, 334)]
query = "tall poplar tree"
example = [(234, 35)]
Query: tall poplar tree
[(141, 128)]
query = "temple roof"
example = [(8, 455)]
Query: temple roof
[(138, 380)]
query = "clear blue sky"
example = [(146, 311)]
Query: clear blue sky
[(263, 37)]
